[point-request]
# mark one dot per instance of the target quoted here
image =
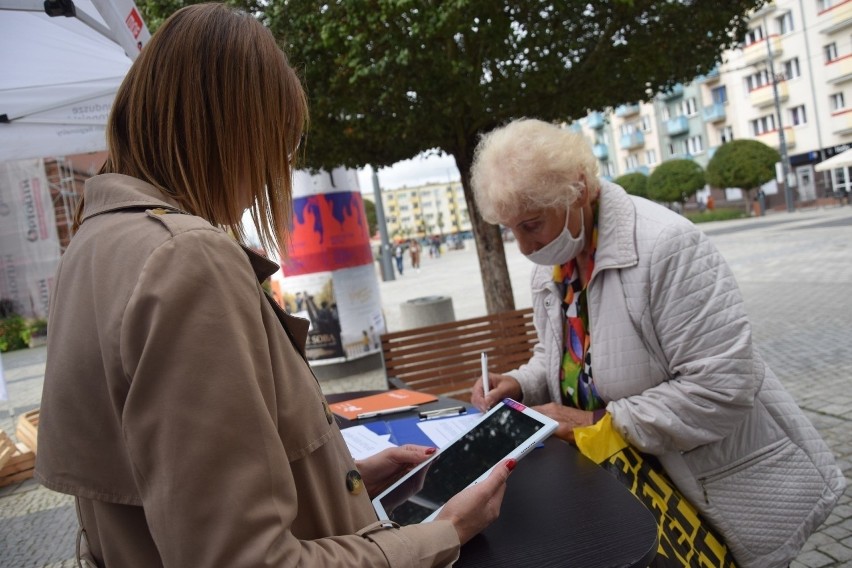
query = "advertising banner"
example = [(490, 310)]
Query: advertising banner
[(29, 244), (328, 276)]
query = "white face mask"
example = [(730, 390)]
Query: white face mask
[(563, 248)]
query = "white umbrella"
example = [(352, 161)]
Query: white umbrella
[(841, 160), (59, 75)]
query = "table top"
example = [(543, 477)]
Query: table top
[(560, 509)]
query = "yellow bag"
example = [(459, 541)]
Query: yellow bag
[(685, 538)]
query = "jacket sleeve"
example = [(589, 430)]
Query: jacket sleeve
[(532, 376), (202, 430), (697, 327)]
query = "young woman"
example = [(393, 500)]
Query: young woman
[(178, 406)]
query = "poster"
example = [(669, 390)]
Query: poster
[(327, 276), (29, 244)]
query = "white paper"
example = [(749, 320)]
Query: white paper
[(363, 442), (445, 430)]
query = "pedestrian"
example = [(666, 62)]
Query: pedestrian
[(178, 407), (398, 257), (414, 251), (639, 316)]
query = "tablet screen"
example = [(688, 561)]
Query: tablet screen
[(458, 465)]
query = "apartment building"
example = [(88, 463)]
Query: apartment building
[(436, 208), (788, 85)]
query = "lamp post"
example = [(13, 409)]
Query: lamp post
[(385, 253), (782, 141)]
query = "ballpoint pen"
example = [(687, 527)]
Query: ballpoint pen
[(485, 386), (396, 410), (442, 412)]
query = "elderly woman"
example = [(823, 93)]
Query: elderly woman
[(638, 315)]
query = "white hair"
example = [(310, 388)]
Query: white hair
[(528, 165)]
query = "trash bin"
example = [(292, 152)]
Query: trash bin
[(428, 310)]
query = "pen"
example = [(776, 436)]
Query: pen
[(485, 386), (441, 412), (396, 410)]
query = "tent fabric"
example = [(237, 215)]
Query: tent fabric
[(841, 160), (58, 78)]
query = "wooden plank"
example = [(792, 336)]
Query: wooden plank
[(16, 477), (444, 358), (7, 448), (27, 429)]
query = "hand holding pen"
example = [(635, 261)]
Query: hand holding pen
[(499, 387)]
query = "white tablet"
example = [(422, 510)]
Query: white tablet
[(509, 430)]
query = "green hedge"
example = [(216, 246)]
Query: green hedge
[(17, 332), (716, 215)]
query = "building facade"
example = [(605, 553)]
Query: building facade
[(789, 85), (431, 209)]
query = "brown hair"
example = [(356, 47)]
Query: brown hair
[(209, 111)]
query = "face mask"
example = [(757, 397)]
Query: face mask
[(563, 248)]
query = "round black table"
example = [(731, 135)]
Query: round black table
[(560, 510)]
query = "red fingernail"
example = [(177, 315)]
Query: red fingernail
[(430, 451), (510, 465)]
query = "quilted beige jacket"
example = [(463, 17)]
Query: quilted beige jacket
[(672, 355)]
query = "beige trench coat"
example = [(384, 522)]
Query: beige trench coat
[(179, 409)]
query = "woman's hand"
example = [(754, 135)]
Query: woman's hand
[(568, 418), (502, 386), (379, 471), (473, 509)]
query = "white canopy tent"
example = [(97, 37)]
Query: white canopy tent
[(841, 160), (58, 75)]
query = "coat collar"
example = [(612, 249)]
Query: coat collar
[(616, 229)]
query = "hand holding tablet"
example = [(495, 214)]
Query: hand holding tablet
[(509, 430)]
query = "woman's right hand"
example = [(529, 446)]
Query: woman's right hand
[(502, 386), (473, 509)]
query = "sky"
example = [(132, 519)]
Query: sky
[(412, 173)]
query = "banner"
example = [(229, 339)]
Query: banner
[(29, 244), (328, 275)]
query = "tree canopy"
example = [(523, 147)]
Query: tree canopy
[(388, 79), (634, 184), (675, 181), (746, 164)]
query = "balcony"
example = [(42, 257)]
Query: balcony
[(773, 139), (711, 77), (638, 170), (626, 110), (575, 126), (835, 19), (756, 52), (764, 10), (673, 93), (632, 140), (764, 96), (595, 120), (714, 112), (600, 151), (677, 125), (841, 122), (839, 71)]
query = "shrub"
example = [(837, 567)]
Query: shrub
[(14, 333)]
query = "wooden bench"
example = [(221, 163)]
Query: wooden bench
[(444, 359)]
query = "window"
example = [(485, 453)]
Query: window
[(758, 80), (763, 125), (607, 169), (798, 116), (645, 123), (830, 52), (627, 129), (726, 134), (632, 162), (720, 95), (785, 23), (694, 145), (665, 114), (791, 68), (650, 157), (754, 35), (836, 102), (823, 5), (403, 207), (688, 107)]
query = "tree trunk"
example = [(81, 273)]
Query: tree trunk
[(489, 247)]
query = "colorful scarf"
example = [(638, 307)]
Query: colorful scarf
[(575, 373)]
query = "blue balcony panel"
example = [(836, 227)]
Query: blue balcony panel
[(638, 170), (600, 151), (673, 93), (677, 126), (626, 110), (632, 140), (595, 120), (714, 112)]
